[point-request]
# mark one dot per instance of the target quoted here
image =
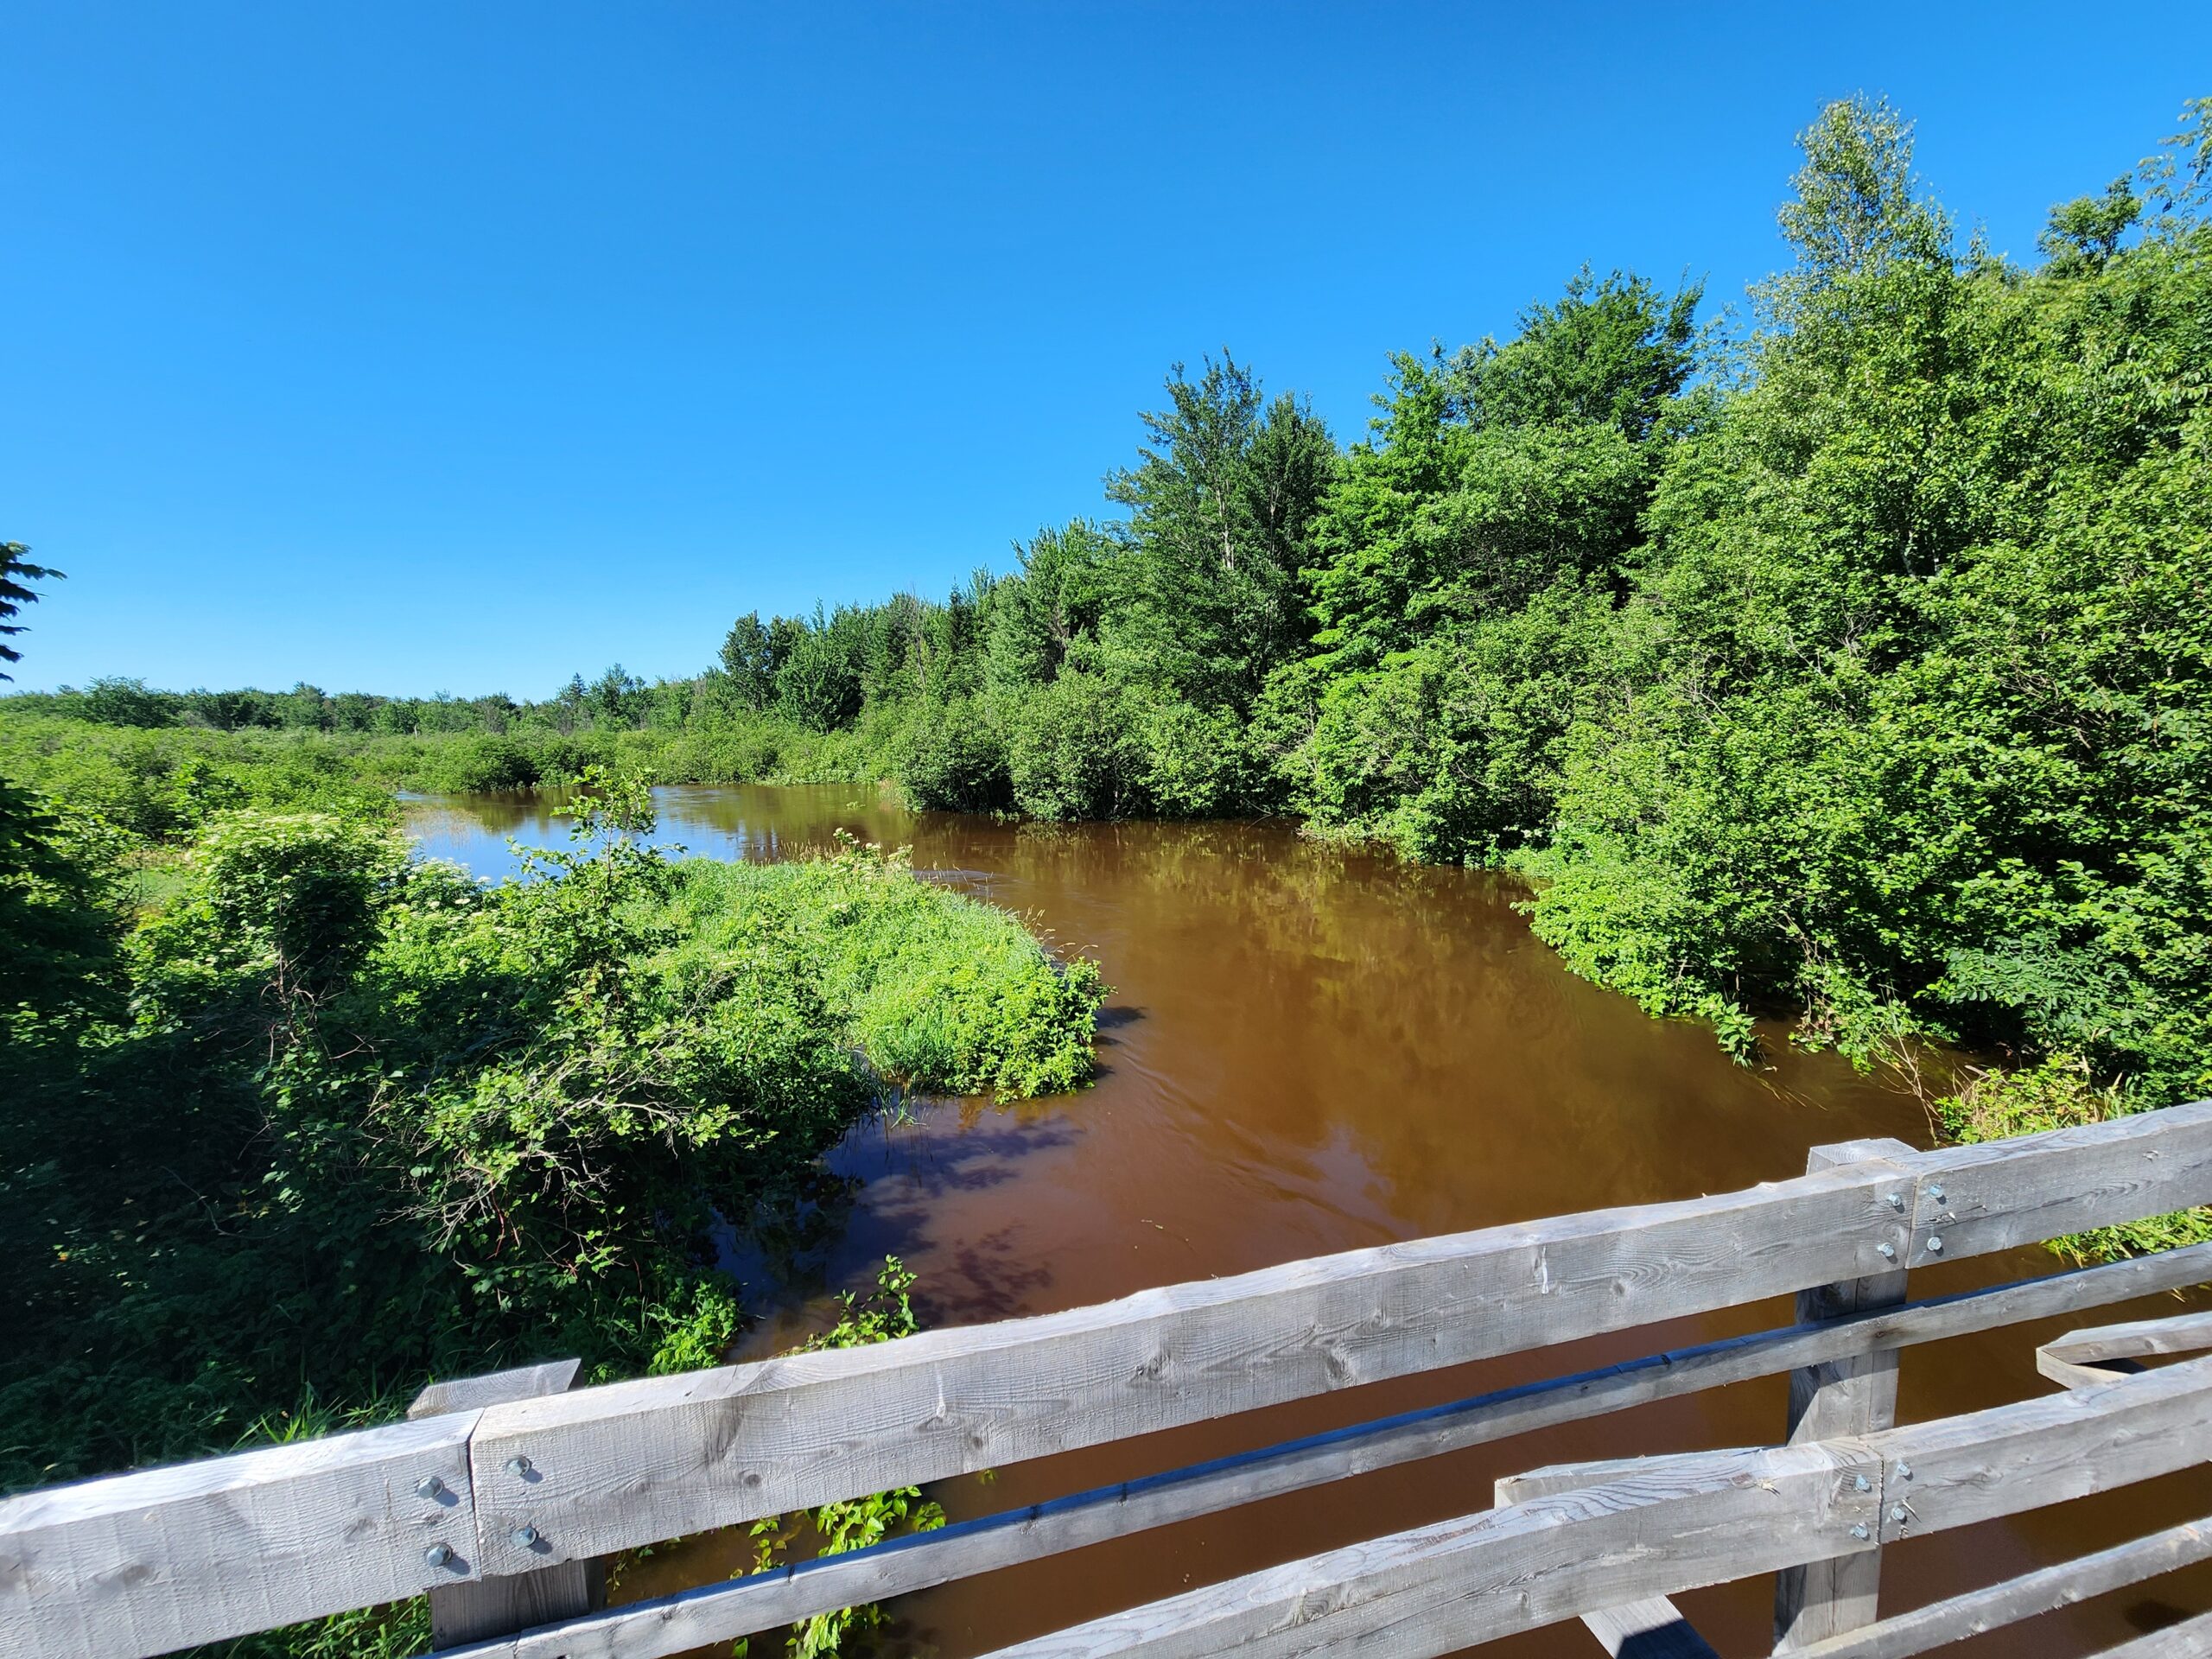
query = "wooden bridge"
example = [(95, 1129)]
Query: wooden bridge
[(501, 1493)]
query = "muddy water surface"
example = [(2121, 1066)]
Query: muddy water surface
[(1309, 1050)]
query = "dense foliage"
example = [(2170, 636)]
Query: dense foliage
[(329, 1118), (1856, 663)]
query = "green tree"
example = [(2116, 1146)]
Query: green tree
[(1208, 595), (16, 573), (117, 702), (751, 653)]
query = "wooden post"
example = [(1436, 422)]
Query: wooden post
[(1838, 1398), (482, 1608)]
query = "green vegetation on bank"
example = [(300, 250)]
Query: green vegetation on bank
[(1853, 662), (327, 1118)]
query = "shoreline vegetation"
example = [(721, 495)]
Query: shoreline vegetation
[(1851, 661)]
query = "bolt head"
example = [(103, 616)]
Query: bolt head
[(1861, 1483), (428, 1486), (518, 1466), (524, 1537), (1905, 1472), (1936, 1193), (1860, 1531), (1896, 1200), (1897, 1511), (437, 1555), (1934, 1245), (1889, 1251)]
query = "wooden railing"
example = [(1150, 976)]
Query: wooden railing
[(501, 1494)]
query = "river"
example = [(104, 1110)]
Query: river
[(1310, 1049)]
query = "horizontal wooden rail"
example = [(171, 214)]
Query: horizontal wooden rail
[(2042, 1591), (722, 1612), (2190, 1639), (134, 1565), (1664, 1525), (636, 1462), (1647, 1630), (2080, 1357)]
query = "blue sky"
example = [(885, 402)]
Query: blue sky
[(410, 348)]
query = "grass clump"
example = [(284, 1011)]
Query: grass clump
[(941, 992), (2064, 1093)]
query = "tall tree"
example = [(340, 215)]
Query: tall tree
[(16, 573), (1218, 506)]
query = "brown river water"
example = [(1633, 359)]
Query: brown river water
[(1309, 1050)]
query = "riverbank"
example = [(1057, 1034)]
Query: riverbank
[(329, 1118)]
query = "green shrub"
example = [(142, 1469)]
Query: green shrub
[(952, 757), (2063, 1093), (941, 992)]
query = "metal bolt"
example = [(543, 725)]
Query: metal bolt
[(1905, 1472), (1860, 1531), (1862, 1483), (1934, 1245), (1889, 1251), (524, 1537), (437, 1555), (517, 1467), (1936, 1193), (428, 1486), (1896, 1200), (1897, 1511)]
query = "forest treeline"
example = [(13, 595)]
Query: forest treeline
[(1853, 661)]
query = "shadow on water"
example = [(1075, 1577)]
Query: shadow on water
[(1312, 1049)]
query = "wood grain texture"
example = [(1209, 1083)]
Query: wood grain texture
[(2190, 1639), (1956, 1470), (1434, 1589), (1853, 1393), (329, 1525), (2023, 1191), (2082, 1357), (722, 1612), (640, 1461), (495, 1387), (2061, 1586), (139, 1564), (1653, 1628), (1677, 1523), (476, 1608)]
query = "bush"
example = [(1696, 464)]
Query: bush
[(941, 992), (952, 758), (370, 1119), (2063, 1093), (1071, 752)]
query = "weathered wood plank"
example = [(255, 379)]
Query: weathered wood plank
[(1682, 1522), (1436, 1589), (840, 1425), (722, 1612), (477, 1608), (1957, 1470), (144, 1563), (1653, 1628), (1854, 1394), (494, 1387), (2042, 1591), (640, 1461), (2190, 1639), (2081, 1358), (2002, 1193)]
